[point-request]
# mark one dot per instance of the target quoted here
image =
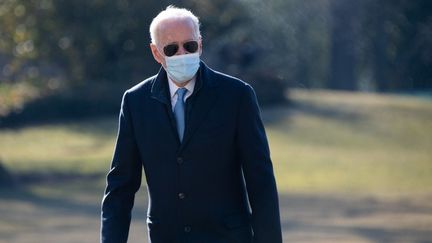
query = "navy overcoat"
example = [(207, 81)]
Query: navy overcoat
[(217, 186)]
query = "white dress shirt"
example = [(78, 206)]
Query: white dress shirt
[(173, 89)]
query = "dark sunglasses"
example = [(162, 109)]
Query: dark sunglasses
[(171, 49)]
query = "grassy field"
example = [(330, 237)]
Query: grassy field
[(82, 147), (335, 155), (325, 141), (352, 142)]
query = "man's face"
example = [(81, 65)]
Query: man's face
[(171, 31)]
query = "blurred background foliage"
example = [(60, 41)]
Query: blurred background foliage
[(79, 56)]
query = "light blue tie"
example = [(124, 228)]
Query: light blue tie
[(179, 112)]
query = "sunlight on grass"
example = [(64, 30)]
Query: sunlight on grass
[(326, 141), (81, 147), (352, 142)]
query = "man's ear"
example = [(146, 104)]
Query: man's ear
[(156, 55)]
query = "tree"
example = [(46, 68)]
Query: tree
[(397, 37), (343, 58)]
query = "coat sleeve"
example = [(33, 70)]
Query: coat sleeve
[(123, 181), (258, 170)]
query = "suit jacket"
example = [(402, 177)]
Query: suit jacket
[(215, 186)]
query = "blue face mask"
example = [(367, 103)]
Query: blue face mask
[(182, 68)]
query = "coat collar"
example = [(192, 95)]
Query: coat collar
[(160, 89), (199, 104)]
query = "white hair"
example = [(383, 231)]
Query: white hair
[(172, 12)]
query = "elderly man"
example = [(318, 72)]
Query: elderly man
[(200, 139)]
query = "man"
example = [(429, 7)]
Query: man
[(199, 137)]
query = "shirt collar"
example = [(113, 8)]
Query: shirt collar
[(173, 87)]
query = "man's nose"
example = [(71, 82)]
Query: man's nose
[(181, 50)]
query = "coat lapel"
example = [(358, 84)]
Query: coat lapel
[(160, 92), (160, 89), (200, 103)]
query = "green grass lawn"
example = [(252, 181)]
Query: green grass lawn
[(352, 143), (326, 142), (75, 147)]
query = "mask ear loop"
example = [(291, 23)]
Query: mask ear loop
[(160, 52)]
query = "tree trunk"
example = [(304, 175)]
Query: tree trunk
[(342, 54)]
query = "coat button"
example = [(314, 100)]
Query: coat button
[(182, 195), (179, 160), (187, 229)]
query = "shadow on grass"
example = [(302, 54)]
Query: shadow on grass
[(57, 194), (348, 218), (282, 113), (305, 217), (66, 210), (65, 193)]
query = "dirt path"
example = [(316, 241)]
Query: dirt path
[(70, 215)]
